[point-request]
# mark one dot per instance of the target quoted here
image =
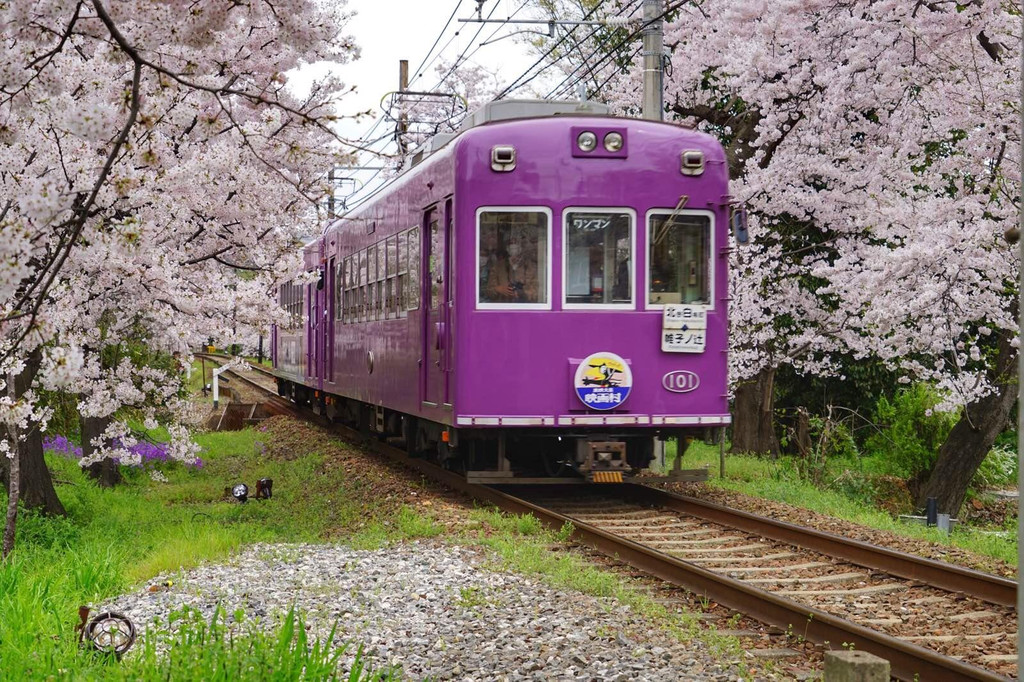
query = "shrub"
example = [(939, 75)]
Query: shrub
[(999, 468), (910, 431)]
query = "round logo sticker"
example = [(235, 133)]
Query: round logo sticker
[(603, 381)]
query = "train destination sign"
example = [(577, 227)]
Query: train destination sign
[(676, 316), (683, 341), (603, 381), (683, 328)]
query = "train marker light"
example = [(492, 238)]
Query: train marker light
[(240, 492), (692, 162), (613, 141), (586, 141), (503, 158)]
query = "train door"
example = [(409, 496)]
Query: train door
[(318, 329), (436, 266), (449, 302), (330, 298), (311, 335)]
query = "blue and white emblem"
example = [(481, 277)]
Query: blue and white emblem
[(603, 381)]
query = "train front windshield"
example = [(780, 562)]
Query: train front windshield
[(679, 248)]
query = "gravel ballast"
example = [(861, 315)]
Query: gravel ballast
[(437, 611)]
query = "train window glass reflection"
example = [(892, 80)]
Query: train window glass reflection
[(381, 277), (362, 297), (371, 279), (679, 259), (598, 257), (338, 288), (346, 289), (415, 257), (402, 281), (513, 257), (436, 273), (389, 298)]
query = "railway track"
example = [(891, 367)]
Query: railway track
[(261, 382), (932, 621)]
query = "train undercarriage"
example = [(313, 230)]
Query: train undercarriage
[(512, 454)]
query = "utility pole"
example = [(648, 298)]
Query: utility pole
[(654, 34), (403, 86)]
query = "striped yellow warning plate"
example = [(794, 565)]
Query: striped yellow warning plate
[(607, 477)]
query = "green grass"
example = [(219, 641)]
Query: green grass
[(113, 539), (213, 652), (845, 494)]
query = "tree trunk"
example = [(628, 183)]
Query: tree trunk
[(34, 481), (13, 472), (973, 436), (106, 472), (753, 426), (803, 432)]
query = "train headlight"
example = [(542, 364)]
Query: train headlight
[(587, 141), (613, 142)]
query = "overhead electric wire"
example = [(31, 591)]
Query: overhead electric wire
[(517, 84), (416, 73), (495, 31), (458, 60), (583, 62), (611, 53)]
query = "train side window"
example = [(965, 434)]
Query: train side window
[(342, 281), (402, 278), (513, 266), (389, 289), (337, 289), (415, 257), (679, 259), (350, 286), (382, 273), (371, 281), (360, 280), (598, 267)]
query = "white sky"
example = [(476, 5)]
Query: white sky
[(389, 30)]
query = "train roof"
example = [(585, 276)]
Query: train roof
[(507, 110)]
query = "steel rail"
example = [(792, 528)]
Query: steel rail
[(985, 586), (276, 403)]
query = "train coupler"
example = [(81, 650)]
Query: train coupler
[(603, 461)]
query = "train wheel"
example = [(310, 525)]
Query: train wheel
[(449, 458), (554, 467)]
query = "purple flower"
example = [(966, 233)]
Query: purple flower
[(150, 454), (62, 446)]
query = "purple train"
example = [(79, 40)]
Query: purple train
[(542, 294)]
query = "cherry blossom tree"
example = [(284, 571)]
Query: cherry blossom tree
[(874, 142), (150, 152)]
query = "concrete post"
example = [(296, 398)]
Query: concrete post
[(654, 38), (855, 666), (216, 386)]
